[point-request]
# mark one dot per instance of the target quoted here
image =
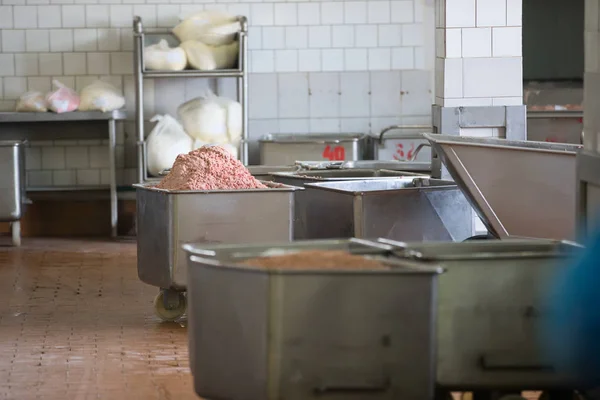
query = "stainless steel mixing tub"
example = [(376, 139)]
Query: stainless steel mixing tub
[(490, 312), (407, 209), (168, 219), (517, 188), (259, 334), (13, 198)]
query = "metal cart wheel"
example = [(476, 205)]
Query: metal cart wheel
[(15, 230), (170, 305)]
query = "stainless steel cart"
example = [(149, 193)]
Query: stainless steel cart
[(517, 188), (166, 220), (140, 73), (12, 186), (310, 334)]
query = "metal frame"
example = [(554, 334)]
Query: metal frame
[(110, 118), (588, 165), (140, 73)]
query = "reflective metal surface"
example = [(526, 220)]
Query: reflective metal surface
[(517, 187), (399, 142)]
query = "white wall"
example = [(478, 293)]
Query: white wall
[(316, 66)]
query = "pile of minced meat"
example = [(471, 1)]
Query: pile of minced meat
[(209, 168)]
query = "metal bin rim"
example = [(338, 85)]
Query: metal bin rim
[(271, 187), (325, 138)]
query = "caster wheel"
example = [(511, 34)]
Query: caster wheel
[(15, 230), (169, 305)]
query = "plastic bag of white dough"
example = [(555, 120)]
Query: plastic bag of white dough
[(100, 96), (32, 102), (166, 141), (63, 99), (208, 58), (212, 27), (164, 58), (234, 119)]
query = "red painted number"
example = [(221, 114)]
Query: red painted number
[(337, 153), (400, 155)]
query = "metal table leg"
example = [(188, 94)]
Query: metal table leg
[(112, 146)]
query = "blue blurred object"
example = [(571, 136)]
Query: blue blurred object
[(571, 336)]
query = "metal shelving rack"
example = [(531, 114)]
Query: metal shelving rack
[(140, 73)]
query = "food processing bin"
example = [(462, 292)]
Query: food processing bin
[(168, 219), (406, 209), (13, 195), (285, 149), (300, 178), (265, 172), (491, 310), (518, 188), (270, 334)]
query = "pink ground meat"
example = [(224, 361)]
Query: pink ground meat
[(209, 168)]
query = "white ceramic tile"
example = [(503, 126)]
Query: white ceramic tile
[(385, 93), (6, 17), (507, 42), (293, 95), (286, 60), (39, 83), (239, 9), (361, 125), (402, 11), (97, 16), (33, 158), (83, 81), (39, 178), (476, 42), (88, 177), (148, 14), (286, 14), (121, 63), (296, 37), (378, 12), (309, 60), (255, 37), (73, 16), (319, 37), (366, 36), (459, 13), (332, 12), (109, 39), (13, 40), (61, 40), (416, 93), (262, 14), (74, 63), (333, 60), (493, 77), (514, 12), (98, 63), (85, 39), (25, 17), (167, 15), (171, 93), (51, 64), (343, 35), (64, 178), (309, 14), (355, 94), (263, 61), (380, 59), (49, 17), (14, 87), (99, 157), (294, 125), (324, 125), (26, 64), (403, 58), (263, 96), (453, 42), (37, 40), (421, 59), (412, 35), (453, 77), (121, 16), (324, 99), (356, 59), (390, 35), (421, 10), (53, 157), (507, 101), (491, 12), (355, 12), (273, 37)]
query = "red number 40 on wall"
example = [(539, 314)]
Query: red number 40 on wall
[(337, 153)]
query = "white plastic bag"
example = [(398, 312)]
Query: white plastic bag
[(32, 102), (166, 141), (162, 57), (63, 99), (212, 119), (203, 57), (212, 27), (100, 96)]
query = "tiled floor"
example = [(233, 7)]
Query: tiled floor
[(76, 323)]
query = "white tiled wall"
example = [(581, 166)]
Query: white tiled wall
[(316, 66)]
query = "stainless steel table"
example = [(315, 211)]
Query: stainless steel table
[(88, 125)]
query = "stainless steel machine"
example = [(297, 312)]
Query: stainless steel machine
[(13, 197)]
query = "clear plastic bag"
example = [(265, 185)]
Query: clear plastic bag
[(166, 141), (100, 96), (32, 102), (63, 99), (211, 27), (204, 57), (161, 57)]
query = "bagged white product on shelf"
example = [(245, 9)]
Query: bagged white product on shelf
[(32, 102), (212, 119), (100, 96), (203, 57), (62, 99), (164, 58), (166, 141), (212, 27)]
